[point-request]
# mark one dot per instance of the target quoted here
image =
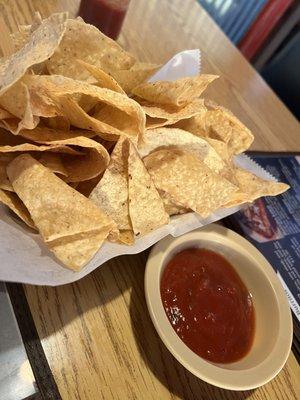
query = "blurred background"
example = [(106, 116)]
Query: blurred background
[(267, 32)]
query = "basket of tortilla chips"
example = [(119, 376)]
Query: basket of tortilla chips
[(91, 152)]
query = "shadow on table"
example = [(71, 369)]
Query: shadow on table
[(55, 307), (163, 365)]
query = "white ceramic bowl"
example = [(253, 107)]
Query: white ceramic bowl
[(273, 331)]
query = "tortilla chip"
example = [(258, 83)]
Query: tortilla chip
[(27, 147), (11, 145), (27, 105), (45, 135), (251, 187), (137, 74), (57, 210), (225, 126), (22, 36), (221, 148), (12, 201), (111, 116), (219, 124), (126, 237), (5, 159), (177, 93), (103, 79), (87, 42), (111, 193), (16, 100), (81, 119), (162, 115), (53, 161), (41, 45), (60, 123), (11, 125), (160, 138), (188, 181), (61, 90), (76, 252), (146, 208), (171, 207), (5, 114), (88, 163), (41, 104), (87, 166), (195, 124)]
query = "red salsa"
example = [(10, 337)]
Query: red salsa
[(106, 15), (208, 305)]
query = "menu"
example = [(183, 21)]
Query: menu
[(272, 224)]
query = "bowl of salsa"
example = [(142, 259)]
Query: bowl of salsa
[(219, 307)]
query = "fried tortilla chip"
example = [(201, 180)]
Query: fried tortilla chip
[(76, 252), (57, 209), (45, 135), (5, 114), (126, 237), (27, 147), (137, 74), (162, 115), (60, 123), (12, 201), (5, 159), (111, 116), (171, 207), (61, 89), (188, 181), (90, 162), (177, 93), (87, 166), (146, 208), (221, 148), (41, 45), (86, 42), (220, 124), (251, 187), (53, 161), (160, 138), (111, 193), (103, 79), (225, 126), (28, 105), (81, 119), (22, 36), (16, 100), (195, 124)]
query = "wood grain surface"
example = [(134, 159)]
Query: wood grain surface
[(96, 333)]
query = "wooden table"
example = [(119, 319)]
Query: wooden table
[(96, 333)]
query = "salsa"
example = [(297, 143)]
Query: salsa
[(208, 305), (106, 15)]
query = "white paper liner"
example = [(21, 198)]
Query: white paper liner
[(25, 258)]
